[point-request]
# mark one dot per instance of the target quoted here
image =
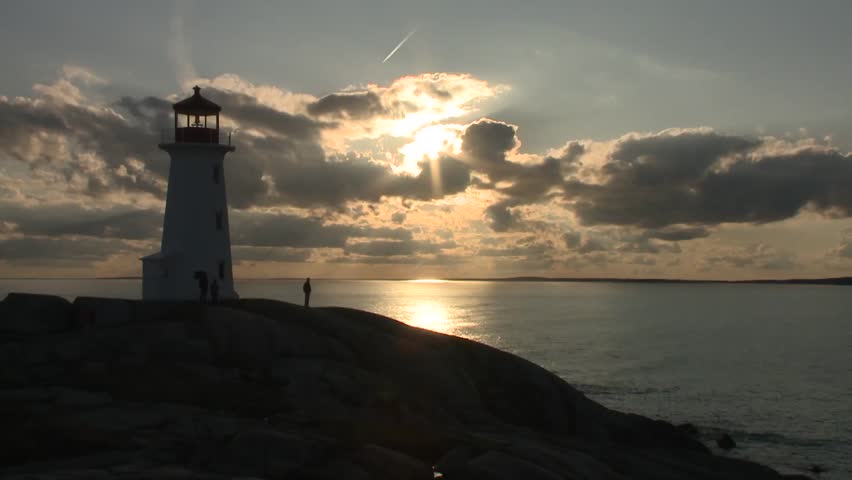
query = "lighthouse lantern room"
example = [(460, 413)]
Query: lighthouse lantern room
[(195, 251)]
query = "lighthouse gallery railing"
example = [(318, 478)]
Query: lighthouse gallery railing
[(195, 135)]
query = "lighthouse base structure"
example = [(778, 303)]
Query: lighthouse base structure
[(196, 241)]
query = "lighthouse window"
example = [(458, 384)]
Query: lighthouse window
[(216, 174), (218, 220), (221, 269)]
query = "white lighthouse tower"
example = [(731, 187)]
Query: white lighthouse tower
[(196, 244)]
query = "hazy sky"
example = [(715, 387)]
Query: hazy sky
[(591, 138)]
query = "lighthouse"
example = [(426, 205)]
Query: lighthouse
[(195, 250)]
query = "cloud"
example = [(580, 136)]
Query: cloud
[(287, 230), (398, 217), (755, 256), (400, 108), (243, 253), (486, 145), (501, 218), (333, 179), (59, 252), (355, 105), (844, 250), (388, 248), (71, 219), (702, 178), (534, 250), (592, 244), (279, 159), (249, 113), (486, 142), (675, 233), (418, 260), (572, 239)]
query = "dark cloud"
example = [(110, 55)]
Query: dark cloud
[(59, 252), (72, 219), (592, 244), (501, 218), (617, 240), (281, 230), (676, 233), (242, 253), (251, 113), (571, 152), (336, 181), (388, 248), (39, 127), (348, 105), (703, 178), (486, 142), (418, 260), (398, 217), (572, 240)]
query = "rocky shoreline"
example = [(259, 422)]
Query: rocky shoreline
[(106, 388)]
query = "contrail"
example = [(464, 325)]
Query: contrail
[(400, 45)]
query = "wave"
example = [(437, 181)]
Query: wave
[(592, 389), (710, 433), (773, 438)]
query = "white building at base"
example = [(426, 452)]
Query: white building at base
[(196, 240)]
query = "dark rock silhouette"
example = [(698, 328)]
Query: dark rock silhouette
[(273, 390), (725, 442), (30, 314)]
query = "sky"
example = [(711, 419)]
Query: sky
[(677, 139)]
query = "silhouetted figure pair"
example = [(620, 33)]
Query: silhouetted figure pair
[(202, 285), (306, 287)]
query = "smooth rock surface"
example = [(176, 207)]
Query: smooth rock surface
[(106, 388)]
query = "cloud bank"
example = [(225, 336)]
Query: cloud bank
[(407, 173)]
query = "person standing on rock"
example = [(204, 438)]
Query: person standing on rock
[(306, 287)]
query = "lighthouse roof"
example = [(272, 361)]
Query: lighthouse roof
[(196, 105)]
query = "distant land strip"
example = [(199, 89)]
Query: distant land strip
[(789, 281)]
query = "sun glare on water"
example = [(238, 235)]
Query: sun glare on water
[(431, 316), (428, 280)]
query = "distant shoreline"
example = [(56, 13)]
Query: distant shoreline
[(844, 281), (791, 281)]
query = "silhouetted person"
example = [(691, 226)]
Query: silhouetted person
[(307, 289), (214, 292), (202, 285)]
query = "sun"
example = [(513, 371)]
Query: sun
[(428, 144)]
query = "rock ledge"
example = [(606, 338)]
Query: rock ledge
[(104, 388)]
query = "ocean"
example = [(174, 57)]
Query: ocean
[(769, 364)]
